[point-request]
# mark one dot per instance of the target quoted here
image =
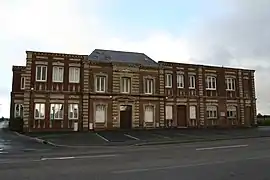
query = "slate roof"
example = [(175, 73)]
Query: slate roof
[(101, 55)]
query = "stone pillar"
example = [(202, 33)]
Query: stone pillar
[(85, 99), (201, 101), (161, 100), (253, 101), (241, 95)]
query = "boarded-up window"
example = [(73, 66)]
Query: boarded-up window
[(100, 116), (168, 112), (149, 113), (192, 112)]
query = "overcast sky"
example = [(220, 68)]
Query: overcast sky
[(218, 32)]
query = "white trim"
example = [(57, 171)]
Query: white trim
[(149, 87), (125, 85), (180, 81), (230, 84), (211, 112), (41, 72), (19, 114), (168, 80), (58, 74), (192, 82), (22, 84), (58, 107), (73, 77), (99, 78), (104, 109), (147, 109), (70, 109), (210, 80), (41, 108)]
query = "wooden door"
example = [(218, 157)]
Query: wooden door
[(248, 115), (181, 116), (126, 117)]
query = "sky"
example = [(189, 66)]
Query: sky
[(217, 32)]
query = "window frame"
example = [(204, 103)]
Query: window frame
[(105, 113), (99, 78), (153, 117), (125, 85), (41, 73), (20, 114), (230, 82), (168, 80), (56, 73), (22, 83), (39, 108), (70, 75), (59, 106), (211, 109), (192, 107), (231, 110), (149, 86), (210, 80), (169, 108), (192, 85), (71, 106), (180, 80)]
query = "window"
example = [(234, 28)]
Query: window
[(231, 112), (230, 84), (149, 113), (58, 73), (100, 83), (125, 84), (39, 111), (41, 73), (168, 80), (56, 111), (22, 82), (149, 84), (18, 110), (211, 83), (100, 115), (180, 81), (74, 75), (73, 111), (192, 112), (192, 82), (169, 112), (211, 112)]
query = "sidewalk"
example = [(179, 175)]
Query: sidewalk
[(146, 137)]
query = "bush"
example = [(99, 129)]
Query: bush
[(264, 122), (16, 124)]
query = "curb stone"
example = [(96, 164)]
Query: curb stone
[(35, 139)]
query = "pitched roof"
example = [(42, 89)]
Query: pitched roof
[(101, 55)]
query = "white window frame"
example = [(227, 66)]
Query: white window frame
[(104, 109), (169, 112), (230, 84), (102, 81), (180, 79), (54, 109), (72, 108), (146, 107), (192, 82), (192, 112), (74, 75), (125, 85), (22, 83), (41, 108), (168, 80), (210, 81), (149, 86), (211, 112), (20, 111), (232, 111), (58, 74), (42, 71)]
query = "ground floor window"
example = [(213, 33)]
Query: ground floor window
[(18, 110), (100, 113), (192, 112), (211, 112), (57, 111), (73, 111), (231, 112), (39, 112), (149, 113), (169, 112)]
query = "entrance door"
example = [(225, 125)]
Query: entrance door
[(181, 116), (126, 117), (248, 116)]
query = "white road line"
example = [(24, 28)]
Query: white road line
[(132, 137), (3, 152), (79, 157), (161, 136), (222, 147), (102, 137)]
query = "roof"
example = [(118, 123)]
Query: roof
[(110, 56)]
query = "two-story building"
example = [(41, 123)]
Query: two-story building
[(114, 89)]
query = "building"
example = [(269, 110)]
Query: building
[(113, 89)]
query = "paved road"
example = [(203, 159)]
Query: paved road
[(244, 159)]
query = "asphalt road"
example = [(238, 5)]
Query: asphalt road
[(220, 160)]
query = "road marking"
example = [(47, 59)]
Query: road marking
[(161, 136), (79, 157), (132, 137), (1, 152), (102, 137), (222, 147)]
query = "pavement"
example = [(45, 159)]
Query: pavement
[(237, 159), (146, 137)]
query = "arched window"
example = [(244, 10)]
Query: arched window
[(211, 112), (231, 112)]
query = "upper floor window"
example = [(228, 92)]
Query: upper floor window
[(125, 84), (211, 83), (22, 82), (230, 84), (148, 87), (57, 111), (58, 74), (211, 112), (100, 83), (73, 111), (74, 75), (168, 80), (41, 73), (192, 82), (180, 81), (39, 111)]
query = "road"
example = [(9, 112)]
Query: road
[(218, 160)]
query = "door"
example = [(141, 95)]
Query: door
[(181, 116), (248, 115), (126, 117)]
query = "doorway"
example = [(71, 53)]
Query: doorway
[(181, 116), (125, 116), (248, 116)]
